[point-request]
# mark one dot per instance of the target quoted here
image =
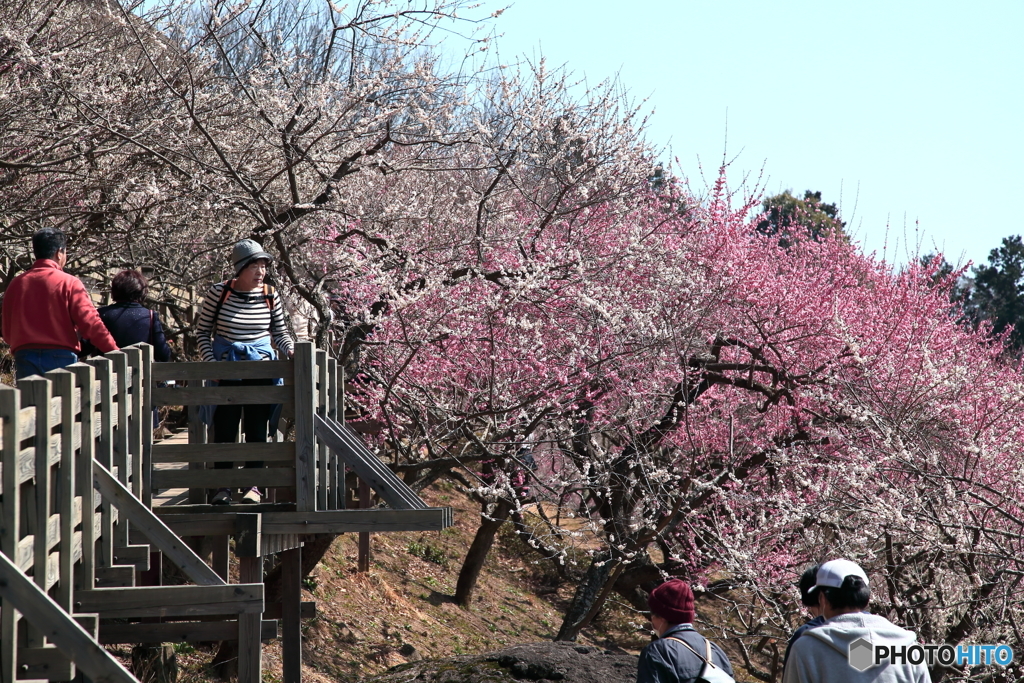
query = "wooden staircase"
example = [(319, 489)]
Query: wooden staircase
[(79, 536)]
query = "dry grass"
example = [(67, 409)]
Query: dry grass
[(365, 620)]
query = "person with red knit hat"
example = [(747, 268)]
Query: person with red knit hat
[(680, 652)]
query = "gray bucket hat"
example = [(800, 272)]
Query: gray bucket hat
[(245, 252)]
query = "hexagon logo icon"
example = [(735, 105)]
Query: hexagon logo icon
[(862, 654)]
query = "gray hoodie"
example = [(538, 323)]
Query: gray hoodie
[(822, 654)]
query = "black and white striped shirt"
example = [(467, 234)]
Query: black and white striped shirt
[(244, 317)]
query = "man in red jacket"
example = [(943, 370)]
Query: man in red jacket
[(45, 310)]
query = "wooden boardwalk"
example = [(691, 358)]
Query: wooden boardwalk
[(92, 508)]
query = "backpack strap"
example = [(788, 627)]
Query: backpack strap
[(268, 297), (152, 319), (707, 646), (228, 285)]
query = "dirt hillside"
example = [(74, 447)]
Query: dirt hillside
[(401, 610)]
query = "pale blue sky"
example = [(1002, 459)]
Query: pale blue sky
[(909, 113)]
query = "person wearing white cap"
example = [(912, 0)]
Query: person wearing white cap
[(823, 653)]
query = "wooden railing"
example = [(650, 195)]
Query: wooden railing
[(74, 444), (302, 472), (78, 530)]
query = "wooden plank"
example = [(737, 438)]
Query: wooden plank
[(172, 601), (116, 576), (24, 556), (199, 396), (154, 529), (147, 424), (247, 534), (52, 570), (103, 451), (121, 463), (322, 479), (337, 472), (367, 466), (363, 545), (199, 524), (351, 521), (64, 386), (85, 379), (35, 391), (221, 558), (197, 434), (26, 467), (275, 610), (279, 477), (47, 616), (291, 599), (89, 622), (44, 663), (224, 452), (250, 652), (276, 543), (305, 438), (179, 632), (136, 556), (26, 422), (243, 369), (135, 427), (10, 418)]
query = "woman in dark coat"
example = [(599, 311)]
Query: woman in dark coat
[(129, 321)]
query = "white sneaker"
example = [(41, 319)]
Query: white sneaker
[(252, 496)]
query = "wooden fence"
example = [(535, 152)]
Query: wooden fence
[(79, 534), (74, 533)]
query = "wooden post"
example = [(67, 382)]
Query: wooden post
[(36, 392), (63, 383), (221, 555), (85, 378), (10, 406), (305, 438), (364, 536), (250, 656), (337, 497), (291, 600), (196, 435), (135, 418), (147, 425), (104, 453), (323, 480)]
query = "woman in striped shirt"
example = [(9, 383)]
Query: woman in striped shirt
[(238, 321)]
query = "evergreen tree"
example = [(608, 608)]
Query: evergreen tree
[(998, 292), (792, 219)]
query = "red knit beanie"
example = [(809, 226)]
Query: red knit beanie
[(672, 601)]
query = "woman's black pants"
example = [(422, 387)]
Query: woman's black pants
[(255, 420)]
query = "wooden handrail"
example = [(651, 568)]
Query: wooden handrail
[(88, 429), (45, 615)]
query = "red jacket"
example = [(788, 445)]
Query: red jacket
[(45, 308)]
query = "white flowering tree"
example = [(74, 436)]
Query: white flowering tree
[(507, 288)]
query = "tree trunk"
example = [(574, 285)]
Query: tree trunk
[(477, 553), (590, 595)]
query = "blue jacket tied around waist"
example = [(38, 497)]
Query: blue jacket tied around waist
[(258, 349)]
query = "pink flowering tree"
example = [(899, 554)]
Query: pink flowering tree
[(688, 385)]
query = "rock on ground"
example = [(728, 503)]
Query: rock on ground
[(565, 662)]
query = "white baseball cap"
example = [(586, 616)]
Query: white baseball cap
[(832, 573)]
